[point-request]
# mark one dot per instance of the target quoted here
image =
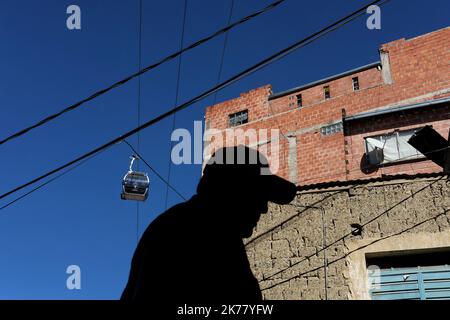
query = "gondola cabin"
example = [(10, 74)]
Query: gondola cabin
[(135, 186)]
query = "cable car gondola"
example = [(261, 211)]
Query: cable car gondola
[(135, 184)]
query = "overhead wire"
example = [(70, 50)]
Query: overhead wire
[(168, 184), (354, 170), (444, 213), (177, 89), (356, 229), (139, 104), (224, 48), (154, 170), (231, 80), (140, 72), (50, 180), (138, 154)]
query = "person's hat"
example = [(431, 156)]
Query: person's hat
[(241, 167)]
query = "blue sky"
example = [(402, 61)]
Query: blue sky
[(80, 219)]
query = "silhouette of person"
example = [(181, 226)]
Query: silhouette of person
[(194, 251)]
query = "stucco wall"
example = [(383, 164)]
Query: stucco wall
[(285, 251)]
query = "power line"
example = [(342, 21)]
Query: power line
[(139, 78), (314, 206), (359, 248), (83, 162), (207, 93), (154, 171), (356, 229), (50, 180), (177, 89), (137, 74), (251, 241), (139, 104), (224, 47)]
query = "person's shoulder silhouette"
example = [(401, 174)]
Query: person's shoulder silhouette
[(194, 252)]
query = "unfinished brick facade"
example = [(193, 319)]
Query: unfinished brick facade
[(410, 71), (314, 248)]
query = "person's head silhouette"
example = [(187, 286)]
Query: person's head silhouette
[(237, 181)]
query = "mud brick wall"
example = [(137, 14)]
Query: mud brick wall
[(287, 235)]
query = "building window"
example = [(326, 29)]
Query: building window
[(423, 276), (299, 101), (392, 147), (326, 92), (238, 118), (355, 82)]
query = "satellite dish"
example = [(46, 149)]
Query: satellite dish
[(376, 156)]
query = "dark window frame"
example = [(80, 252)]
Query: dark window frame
[(327, 92), (299, 100), (238, 118), (355, 83)]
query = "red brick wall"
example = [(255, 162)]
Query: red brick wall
[(256, 101), (320, 164), (338, 88), (420, 71)]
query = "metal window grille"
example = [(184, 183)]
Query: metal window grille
[(355, 82), (238, 118)]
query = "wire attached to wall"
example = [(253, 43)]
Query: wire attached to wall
[(444, 213), (351, 232)]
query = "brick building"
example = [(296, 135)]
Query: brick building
[(364, 224)]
